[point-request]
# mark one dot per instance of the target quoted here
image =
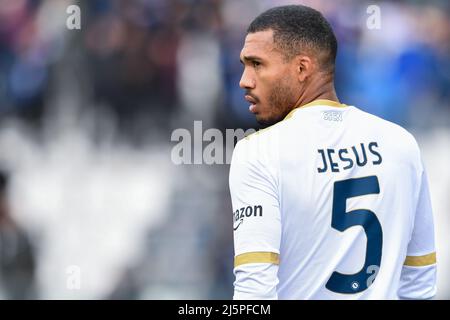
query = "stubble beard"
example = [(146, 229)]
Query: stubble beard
[(281, 101)]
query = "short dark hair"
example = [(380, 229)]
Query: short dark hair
[(299, 29)]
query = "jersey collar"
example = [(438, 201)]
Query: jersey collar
[(318, 102)]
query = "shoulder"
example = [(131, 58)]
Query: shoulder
[(256, 155), (393, 134), (261, 146), (266, 138)]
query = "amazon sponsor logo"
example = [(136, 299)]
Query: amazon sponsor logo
[(244, 213)]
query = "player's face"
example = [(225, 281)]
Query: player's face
[(269, 81)]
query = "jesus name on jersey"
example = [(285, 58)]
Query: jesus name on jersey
[(335, 160)]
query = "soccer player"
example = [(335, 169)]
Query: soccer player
[(329, 202)]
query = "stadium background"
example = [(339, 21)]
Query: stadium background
[(86, 118)]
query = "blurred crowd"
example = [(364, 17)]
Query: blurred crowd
[(181, 56), (151, 66)]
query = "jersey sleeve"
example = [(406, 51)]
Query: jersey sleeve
[(256, 223), (418, 277)]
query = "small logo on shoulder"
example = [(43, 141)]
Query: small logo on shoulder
[(332, 116)]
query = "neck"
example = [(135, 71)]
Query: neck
[(319, 88)]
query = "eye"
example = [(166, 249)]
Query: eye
[(256, 63)]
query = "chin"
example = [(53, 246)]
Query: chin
[(267, 121)]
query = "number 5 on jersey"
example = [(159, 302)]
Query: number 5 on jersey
[(342, 220)]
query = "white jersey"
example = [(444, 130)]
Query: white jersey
[(331, 203)]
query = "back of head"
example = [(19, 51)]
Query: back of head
[(299, 30)]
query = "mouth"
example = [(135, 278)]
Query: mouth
[(253, 102)]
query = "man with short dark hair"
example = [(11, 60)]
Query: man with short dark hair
[(329, 202), (294, 62)]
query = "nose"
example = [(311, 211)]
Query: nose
[(246, 82)]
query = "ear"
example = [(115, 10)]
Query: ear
[(305, 67)]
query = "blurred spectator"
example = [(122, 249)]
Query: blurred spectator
[(23, 67), (17, 263)]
